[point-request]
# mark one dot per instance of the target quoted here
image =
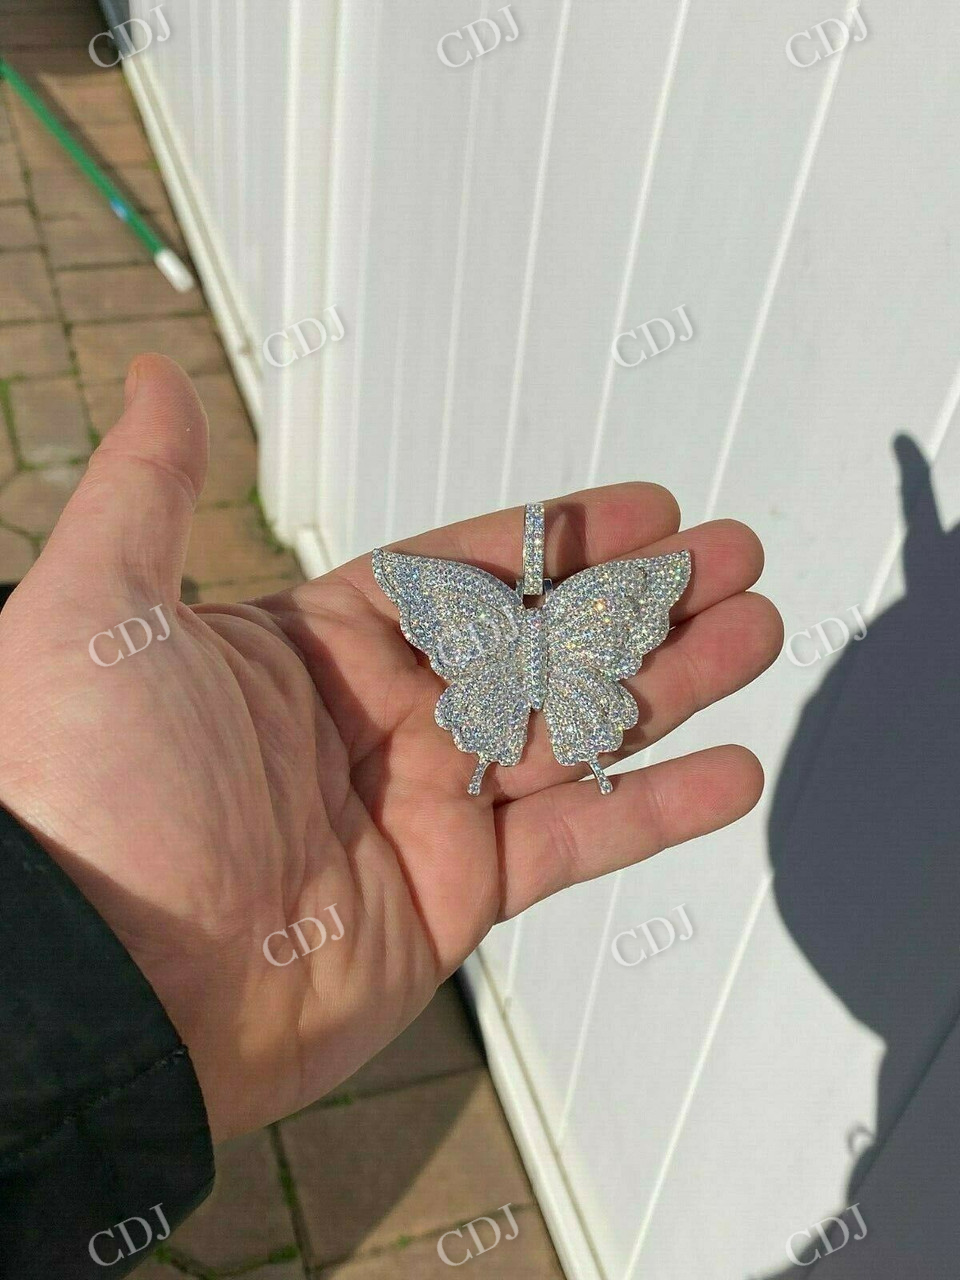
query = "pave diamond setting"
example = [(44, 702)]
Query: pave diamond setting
[(565, 655)]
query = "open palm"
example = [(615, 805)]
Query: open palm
[(270, 760)]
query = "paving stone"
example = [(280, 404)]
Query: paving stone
[(167, 228), (402, 1163), (229, 544), (12, 186), (16, 555), (153, 1270), (96, 100), (8, 459), (237, 592), (25, 292), (116, 292), (233, 450), (18, 228), (49, 420), (277, 1271), (529, 1256), (19, 31), (441, 1040), (105, 350), (246, 1218), (111, 145), (73, 83), (232, 472), (119, 144), (11, 178), (33, 500), (224, 405), (91, 241), (104, 402), (37, 6), (98, 236), (28, 349), (61, 191)]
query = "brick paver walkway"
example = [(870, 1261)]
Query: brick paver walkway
[(362, 1185)]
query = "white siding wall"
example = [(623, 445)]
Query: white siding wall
[(485, 232)]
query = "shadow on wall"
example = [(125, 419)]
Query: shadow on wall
[(866, 850)]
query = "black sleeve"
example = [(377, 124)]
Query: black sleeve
[(104, 1142)]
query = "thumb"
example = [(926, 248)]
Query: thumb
[(127, 525)]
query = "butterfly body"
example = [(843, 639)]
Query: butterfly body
[(533, 657), (564, 657)]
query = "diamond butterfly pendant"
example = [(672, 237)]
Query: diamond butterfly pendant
[(564, 656)]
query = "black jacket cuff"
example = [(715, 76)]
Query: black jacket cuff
[(104, 1141)]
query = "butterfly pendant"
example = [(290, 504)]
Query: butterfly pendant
[(565, 656)]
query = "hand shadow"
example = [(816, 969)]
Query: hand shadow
[(865, 849)]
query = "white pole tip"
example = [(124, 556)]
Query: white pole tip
[(174, 270)]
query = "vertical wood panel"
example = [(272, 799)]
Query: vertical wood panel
[(295, 282), (172, 64), (265, 88), (221, 114)]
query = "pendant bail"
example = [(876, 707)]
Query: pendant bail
[(533, 549)]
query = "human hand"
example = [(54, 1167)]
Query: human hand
[(270, 759)]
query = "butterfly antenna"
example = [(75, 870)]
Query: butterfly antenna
[(603, 782), (474, 787)]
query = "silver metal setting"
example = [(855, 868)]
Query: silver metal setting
[(565, 656), (533, 549)]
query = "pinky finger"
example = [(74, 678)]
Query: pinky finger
[(570, 832)]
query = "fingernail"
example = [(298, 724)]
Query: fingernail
[(130, 386)]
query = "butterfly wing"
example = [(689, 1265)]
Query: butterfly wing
[(600, 623), (469, 624)]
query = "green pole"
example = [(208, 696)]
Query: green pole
[(163, 256)]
